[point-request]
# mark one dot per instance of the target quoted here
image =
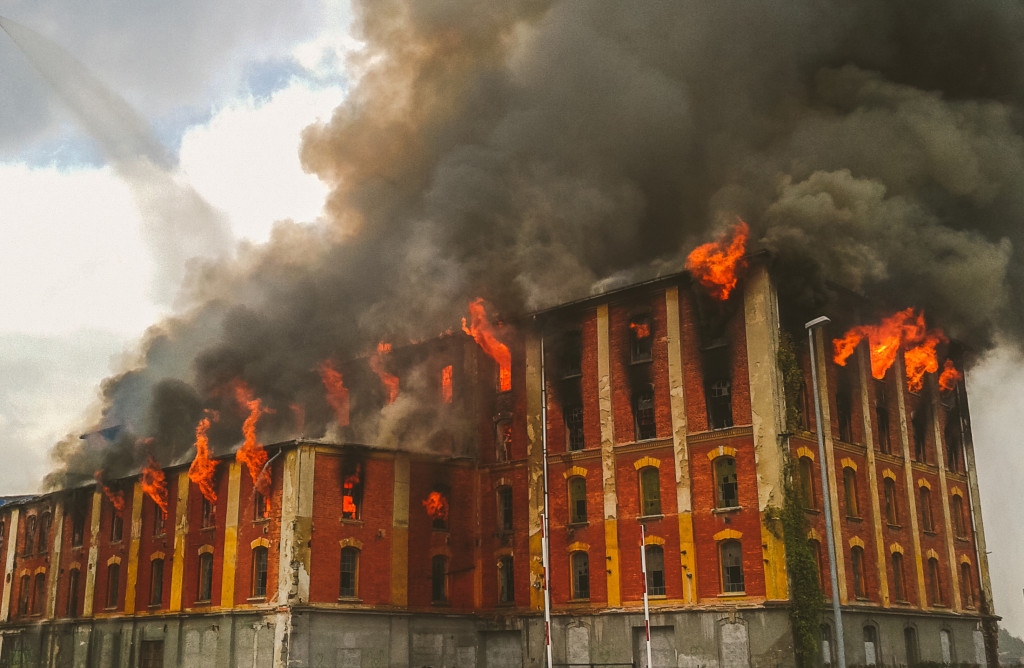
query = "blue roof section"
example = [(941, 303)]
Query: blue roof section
[(12, 500)]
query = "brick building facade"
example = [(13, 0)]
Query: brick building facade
[(664, 408)]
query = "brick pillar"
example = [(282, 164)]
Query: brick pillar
[(230, 564), (908, 469), (53, 576), (132, 573), (12, 546), (607, 417), (863, 361), (180, 532), (90, 571)]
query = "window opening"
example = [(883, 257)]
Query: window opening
[(726, 482), (641, 340), (859, 579), (580, 575), (204, 587), (644, 425), (850, 489), (577, 499), (259, 572), (113, 583), (899, 586), (655, 570), (439, 579), (349, 572), (892, 515), (505, 509), (506, 580), (731, 555), (927, 522), (351, 489), (156, 582), (650, 491)]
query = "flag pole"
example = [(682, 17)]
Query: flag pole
[(647, 607), (545, 533)]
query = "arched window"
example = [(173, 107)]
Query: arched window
[(30, 535), (506, 580), (650, 491), (655, 557), (259, 572), (966, 585), (730, 554), (860, 587), (725, 482), (72, 601), (956, 509), (850, 492), (935, 582), (39, 594), (892, 513), (113, 584), (24, 595), (505, 508), (439, 579), (816, 553), (912, 649), (349, 587), (871, 657), (577, 499), (44, 533), (156, 582), (580, 562), (805, 476), (204, 585), (640, 339), (644, 424), (899, 583), (926, 509)]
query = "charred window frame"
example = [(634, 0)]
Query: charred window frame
[(74, 577), (571, 354), (159, 520), (650, 491), (259, 572), (726, 483), (577, 499), (348, 586), (935, 583), (899, 583), (927, 518), (644, 424), (641, 339), (731, 558), (919, 429), (882, 419), (506, 581), (954, 442), (439, 579), (574, 426), (209, 514), (39, 594), (805, 478), (504, 498), (442, 521), (113, 585), (78, 524), (24, 594), (580, 563), (30, 535), (352, 482), (204, 583), (718, 387), (156, 583), (844, 403), (116, 527), (850, 492), (259, 506), (655, 557), (859, 576), (503, 438), (43, 538), (892, 511)]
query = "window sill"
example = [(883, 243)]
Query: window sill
[(650, 518), (578, 601), (930, 532), (208, 529), (349, 599), (727, 509), (895, 527), (854, 518), (262, 520), (256, 599), (110, 609), (354, 521), (962, 539), (578, 524), (812, 511), (154, 606), (642, 360), (159, 536), (201, 603), (732, 594), (656, 597)]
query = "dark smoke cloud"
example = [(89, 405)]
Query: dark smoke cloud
[(532, 152)]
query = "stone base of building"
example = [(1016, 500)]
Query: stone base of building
[(315, 638)]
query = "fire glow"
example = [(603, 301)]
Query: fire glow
[(436, 506), (717, 265), (377, 364), (485, 335), (202, 468), (337, 393), (348, 504), (446, 384), (252, 453), (154, 484), (116, 498), (904, 330)]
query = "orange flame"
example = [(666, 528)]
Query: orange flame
[(337, 393), (348, 505), (437, 506), (641, 330), (153, 483), (252, 453), (446, 384), (905, 330), (717, 265), (202, 468), (949, 377), (116, 498), (377, 364), (485, 335)]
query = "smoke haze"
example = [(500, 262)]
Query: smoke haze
[(532, 152)]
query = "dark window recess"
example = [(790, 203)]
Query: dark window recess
[(209, 514), (805, 476), (159, 520), (44, 533), (641, 341), (259, 505), (156, 582), (726, 483), (954, 442), (718, 388), (351, 489), (439, 579), (349, 572), (927, 522), (116, 528), (859, 578), (39, 594), (72, 601), (259, 572), (506, 580), (892, 511), (899, 586), (503, 439), (816, 552), (966, 585), (113, 584), (151, 654), (204, 586), (505, 509), (24, 595), (655, 557), (78, 523), (30, 535), (577, 499), (919, 427), (571, 355), (731, 554), (935, 582), (580, 575), (574, 426), (644, 424), (956, 509), (844, 403), (850, 492)]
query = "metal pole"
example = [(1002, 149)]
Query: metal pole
[(545, 532), (647, 607), (811, 327)]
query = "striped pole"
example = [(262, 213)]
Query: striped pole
[(647, 607)]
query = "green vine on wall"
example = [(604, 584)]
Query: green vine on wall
[(802, 568), (792, 383)]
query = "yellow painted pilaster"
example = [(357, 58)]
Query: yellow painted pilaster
[(677, 405), (132, 573), (940, 459), (911, 498), (979, 526), (876, 513), (400, 533), (610, 508), (227, 583), (535, 469), (10, 549), (56, 546), (94, 551), (180, 532)]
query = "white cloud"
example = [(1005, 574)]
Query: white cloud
[(245, 160)]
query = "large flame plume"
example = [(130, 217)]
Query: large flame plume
[(436, 506), (717, 265), (154, 484), (378, 362), (337, 393), (203, 466), (905, 330), (486, 336), (252, 452)]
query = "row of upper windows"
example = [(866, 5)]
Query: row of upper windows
[(873, 647)]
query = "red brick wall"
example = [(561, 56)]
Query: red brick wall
[(249, 528), (108, 548)]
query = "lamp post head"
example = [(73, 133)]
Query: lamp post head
[(817, 321)]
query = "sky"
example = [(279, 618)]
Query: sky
[(216, 95)]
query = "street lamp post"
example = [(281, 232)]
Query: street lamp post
[(811, 327)]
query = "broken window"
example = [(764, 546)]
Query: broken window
[(30, 535), (650, 491), (446, 385), (503, 439), (644, 424), (655, 558), (954, 442), (731, 555), (577, 499), (844, 404), (580, 562), (574, 426), (259, 505), (640, 339), (718, 388), (505, 509), (77, 526), (209, 513), (506, 580), (349, 572), (726, 483), (351, 489), (116, 528), (158, 520), (882, 419), (439, 579)]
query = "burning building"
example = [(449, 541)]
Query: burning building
[(667, 405)]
